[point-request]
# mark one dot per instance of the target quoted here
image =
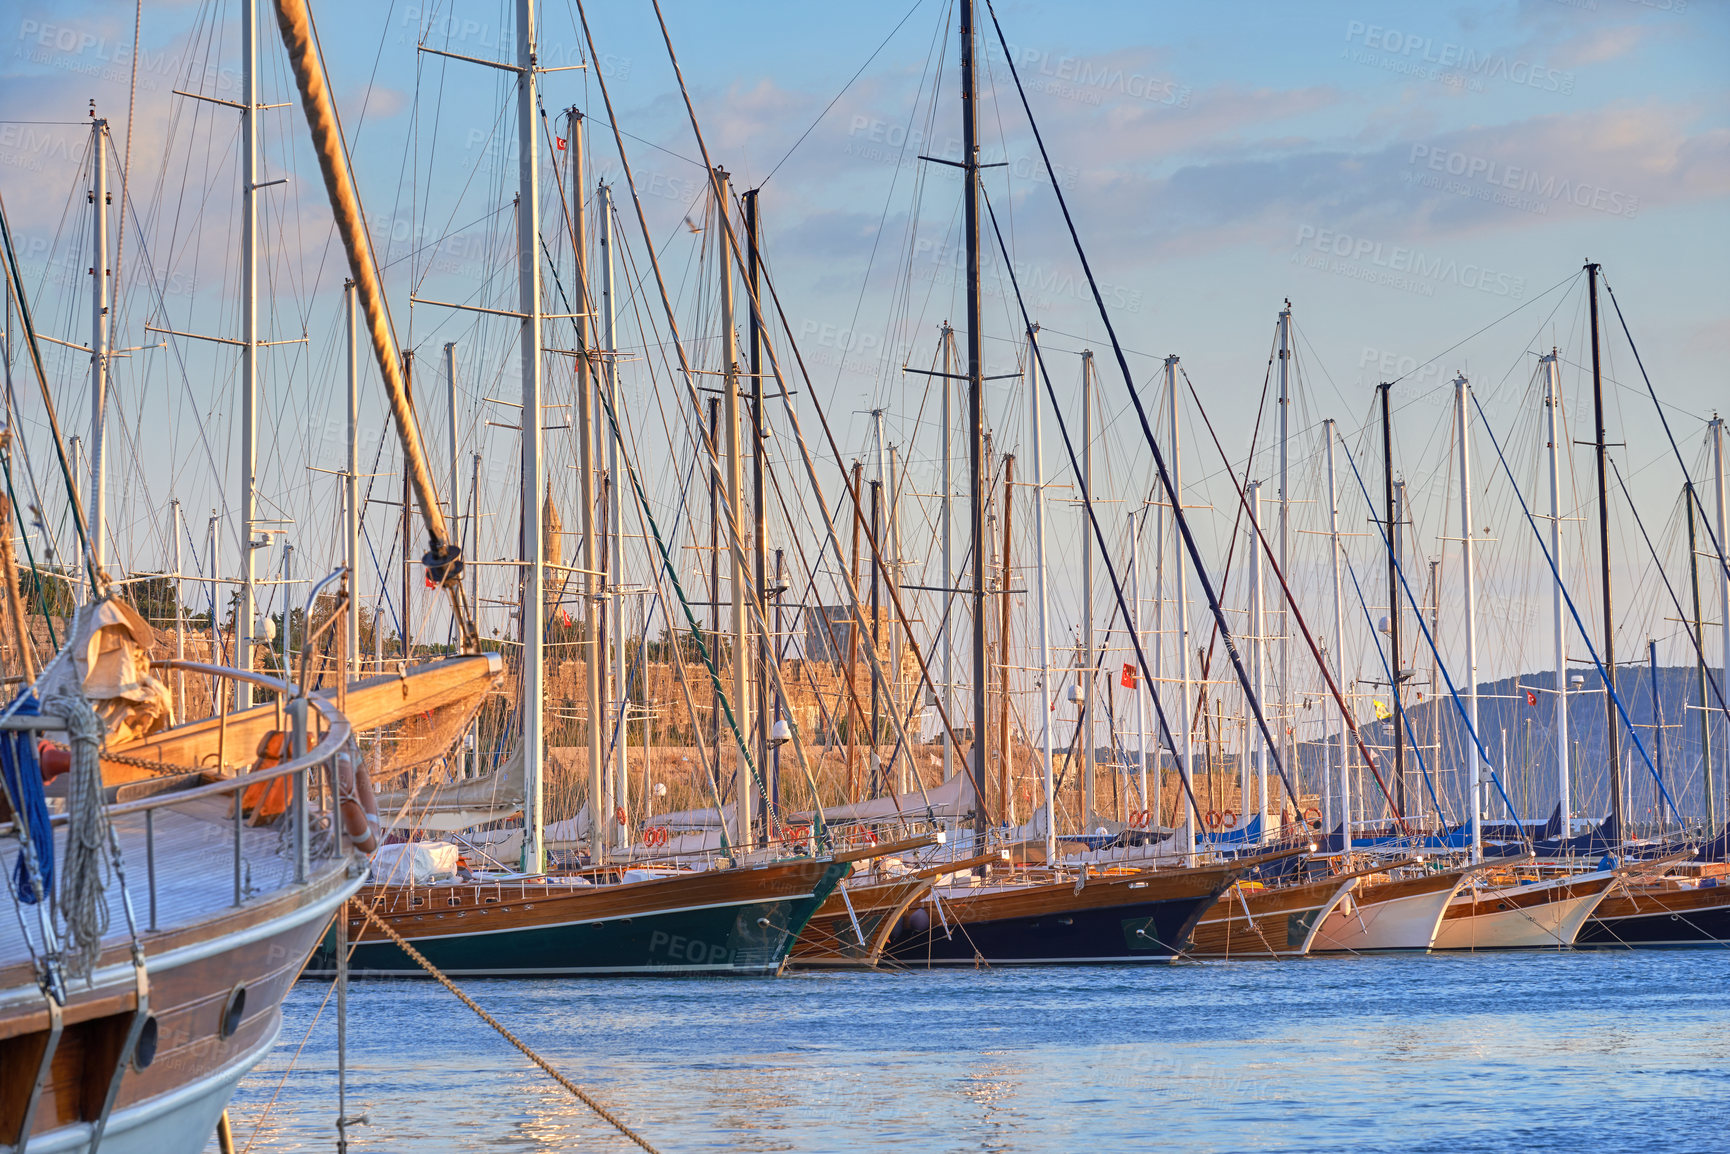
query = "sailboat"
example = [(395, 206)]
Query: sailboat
[(173, 872)]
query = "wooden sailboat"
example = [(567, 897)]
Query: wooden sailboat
[(1140, 916), (1251, 920), (1394, 910), (1501, 913), (1657, 912)]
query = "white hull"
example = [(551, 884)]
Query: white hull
[(184, 1120), (1551, 924), (1407, 923)]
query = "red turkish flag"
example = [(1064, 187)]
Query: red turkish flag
[(1128, 680), (1531, 698), (561, 141)]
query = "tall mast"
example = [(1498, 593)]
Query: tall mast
[(1005, 764), (1723, 566), (1393, 605), (175, 528), (1461, 392), (244, 619), (759, 521), (99, 350), (351, 480), (1337, 645), (615, 495), (1558, 623), (1090, 738), (453, 501), (1700, 664), (1181, 608), (744, 793), (1257, 651), (976, 407), (1283, 687), (1141, 691), (1602, 449), (533, 547), (1045, 704), (588, 425), (948, 507)]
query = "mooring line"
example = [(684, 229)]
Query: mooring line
[(576, 1090)]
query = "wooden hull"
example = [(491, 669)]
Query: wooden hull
[(1144, 917), (736, 921), (1266, 923), (172, 1104), (1402, 914), (851, 927), (1651, 918), (1545, 915)]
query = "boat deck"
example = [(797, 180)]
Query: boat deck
[(179, 870)]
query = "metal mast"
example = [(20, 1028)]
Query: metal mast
[(1283, 687), (744, 793), (1468, 589), (759, 508), (948, 506), (1559, 628), (1090, 738), (1186, 728), (1716, 429), (1602, 449), (588, 426), (1039, 580), (1338, 642), (244, 618), (1141, 690), (533, 487), (351, 482), (98, 352), (615, 518), (1700, 664), (975, 406), (1393, 605), (1257, 650)]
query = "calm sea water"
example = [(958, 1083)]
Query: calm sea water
[(1576, 1051)]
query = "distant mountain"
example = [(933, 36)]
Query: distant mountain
[(1530, 774)]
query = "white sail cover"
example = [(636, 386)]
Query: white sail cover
[(447, 806), (951, 801)]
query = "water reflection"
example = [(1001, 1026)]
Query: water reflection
[(1461, 1054)]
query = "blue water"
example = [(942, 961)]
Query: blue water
[(1574, 1051)]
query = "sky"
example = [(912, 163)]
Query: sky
[(1422, 182)]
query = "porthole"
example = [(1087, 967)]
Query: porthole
[(233, 1011), (144, 1050)]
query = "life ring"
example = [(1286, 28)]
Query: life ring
[(796, 832), (356, 800), (1139, 819), (1312, 816), (1225, 813), (656, 835), (1212, 819), (619, 815)]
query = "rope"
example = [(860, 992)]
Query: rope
[(576, 1090), (153, 766), (83, 904)]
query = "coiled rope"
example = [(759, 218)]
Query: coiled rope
[(581, 1095), (83, 902)]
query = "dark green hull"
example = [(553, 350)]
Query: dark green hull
[(750, 936)]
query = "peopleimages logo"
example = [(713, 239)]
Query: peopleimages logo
[(1446, 61), (1397, 266), (1524, 181)]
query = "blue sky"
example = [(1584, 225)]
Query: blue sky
[(1413, 177)]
